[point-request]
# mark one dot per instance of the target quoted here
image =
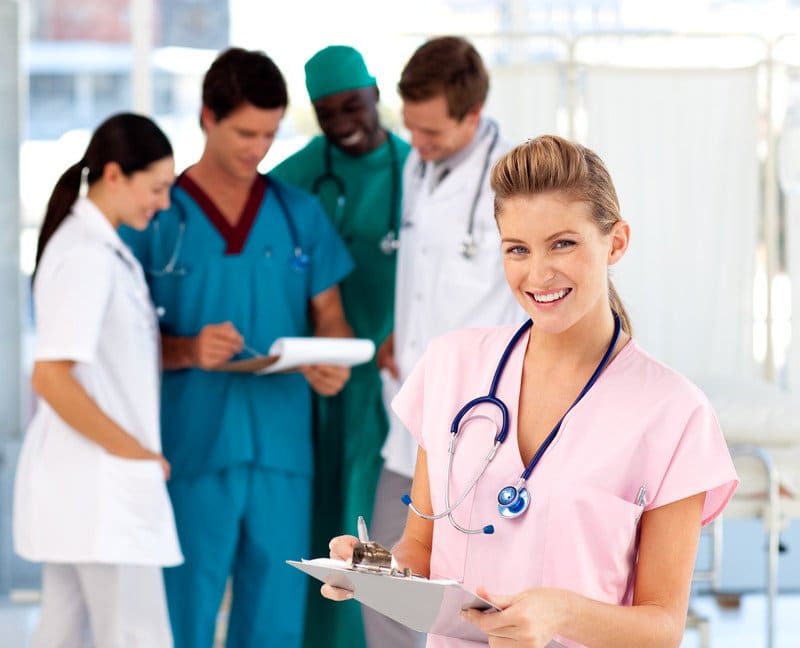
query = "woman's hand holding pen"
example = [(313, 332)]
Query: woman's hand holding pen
[(341, 549), (215, 344), (531, 618)]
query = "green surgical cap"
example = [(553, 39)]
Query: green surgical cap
[(335, 69)]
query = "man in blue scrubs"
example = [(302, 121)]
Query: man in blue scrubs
[(239, 260)]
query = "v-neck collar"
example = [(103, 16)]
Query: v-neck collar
[(93, 219), (235, 235), (514, 368)]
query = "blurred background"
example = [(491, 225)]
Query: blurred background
[(693, 104)]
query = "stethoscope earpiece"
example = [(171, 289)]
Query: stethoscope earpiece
[(488, 529)]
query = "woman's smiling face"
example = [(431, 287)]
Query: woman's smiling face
[(556, 258)]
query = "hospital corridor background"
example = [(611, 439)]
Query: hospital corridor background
[(693, 104)]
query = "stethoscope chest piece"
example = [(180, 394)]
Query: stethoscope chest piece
[(299, 261), (513, 502), (389, 243), (468, 247)]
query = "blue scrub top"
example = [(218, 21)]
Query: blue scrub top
[(212, 420)]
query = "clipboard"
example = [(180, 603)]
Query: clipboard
[(430, 606), (258, 364), (288, 353)]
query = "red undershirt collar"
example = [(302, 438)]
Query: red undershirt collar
[(235, 235)]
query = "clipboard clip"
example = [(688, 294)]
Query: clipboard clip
[(373, 557)]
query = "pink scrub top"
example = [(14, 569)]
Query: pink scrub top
[(641, 424)]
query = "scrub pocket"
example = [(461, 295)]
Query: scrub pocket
[(591, 536), (135, 488), (135, 525)]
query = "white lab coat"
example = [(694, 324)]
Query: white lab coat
[(73, 501), (437, 289)]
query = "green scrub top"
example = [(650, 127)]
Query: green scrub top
[(349, 429), (367, 215)]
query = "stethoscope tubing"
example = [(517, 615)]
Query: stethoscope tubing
[(298, 262), (491, 396), (450, 508), (468, 246), (589, 384), (512, 500), (388, 243)]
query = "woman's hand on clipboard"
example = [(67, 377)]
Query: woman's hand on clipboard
[(531, 618), (341, 548)]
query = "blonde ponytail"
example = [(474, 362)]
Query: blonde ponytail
[(619, 308)]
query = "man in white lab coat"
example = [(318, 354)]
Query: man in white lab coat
[(449, 266)]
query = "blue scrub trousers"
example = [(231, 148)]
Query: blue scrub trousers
[(244, 521)]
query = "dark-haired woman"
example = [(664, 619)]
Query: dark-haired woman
[(90, 500)]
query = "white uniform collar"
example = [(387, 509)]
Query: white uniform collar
[(458, 157), (88, 214)]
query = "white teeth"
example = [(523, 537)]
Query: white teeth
[(550, 297), (352, 140)]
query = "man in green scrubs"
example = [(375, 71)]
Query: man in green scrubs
[(355, 168)]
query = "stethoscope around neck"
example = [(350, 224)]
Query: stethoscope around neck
[(512, 500), (298, 260), (389, 243), (469, 246)]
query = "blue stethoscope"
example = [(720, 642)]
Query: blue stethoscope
[(389, 243), (512, 501), (298, 260)]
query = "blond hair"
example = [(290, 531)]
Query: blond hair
[(552, 163)]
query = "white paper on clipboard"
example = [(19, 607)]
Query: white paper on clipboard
[(288, 353), (293, 352)]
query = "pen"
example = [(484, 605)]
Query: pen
[(250, 350), (363, 536)]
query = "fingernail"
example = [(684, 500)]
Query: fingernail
[(349, 595)]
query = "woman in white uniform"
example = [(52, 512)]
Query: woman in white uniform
[(90, 498)]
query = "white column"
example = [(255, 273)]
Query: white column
[(142, 47), (10, 371), (10, 79)]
